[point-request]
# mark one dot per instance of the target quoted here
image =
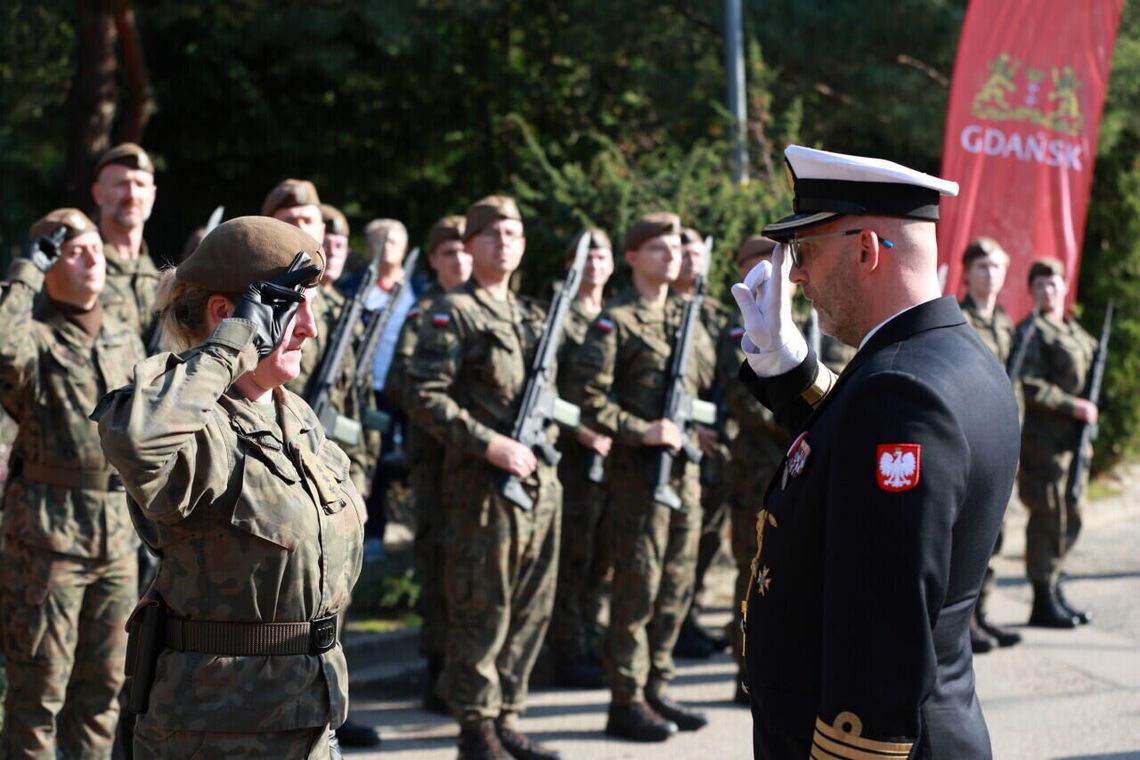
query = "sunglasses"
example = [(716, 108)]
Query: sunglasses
[(796, 252)]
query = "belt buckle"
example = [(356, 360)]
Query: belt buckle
[(322, 634)]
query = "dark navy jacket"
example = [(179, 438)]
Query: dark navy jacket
[(876, 535)]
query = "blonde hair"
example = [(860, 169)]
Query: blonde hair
[(181, 309)]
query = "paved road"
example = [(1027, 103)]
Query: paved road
[(1061, 694)]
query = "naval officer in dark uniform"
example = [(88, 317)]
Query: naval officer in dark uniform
[(877, 528)]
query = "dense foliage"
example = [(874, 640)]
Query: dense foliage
[(588, 112)]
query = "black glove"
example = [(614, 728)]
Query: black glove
[(270, 305), (44, 252)]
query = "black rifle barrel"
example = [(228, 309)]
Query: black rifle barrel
[(1082, 457)]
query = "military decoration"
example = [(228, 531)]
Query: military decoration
[(898, 466), (797, 457)]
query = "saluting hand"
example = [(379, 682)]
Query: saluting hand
[(772, 342), (44, 251), (271, 305)]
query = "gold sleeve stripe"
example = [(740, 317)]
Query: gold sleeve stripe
[(824, 379), (829, 749), (846, 731), (819, 754)]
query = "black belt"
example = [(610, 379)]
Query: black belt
[(251, 639)]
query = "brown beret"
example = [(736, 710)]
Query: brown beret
[(980, 247), (757, 245), (73, 219), (488, 210), (598, 239), (650, 226), (335, 223), (291, 192), (1045, 268), (125, 154), (245, 250), (447, 228)]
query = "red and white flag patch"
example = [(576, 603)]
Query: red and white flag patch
[(605, 325), (898, 466), (736, 333), (413, 312), (440, 319)]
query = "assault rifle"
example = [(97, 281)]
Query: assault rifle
[(540, 403), (1082, 457), (680, 407), (1017, 358), (373, 418), (338, 427)]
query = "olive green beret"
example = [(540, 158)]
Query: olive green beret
[(757, 245), (125, 154), (335, 223), (980, 247), (447, 228), (598, 239), (1045, 268), (290, 193), (245, 250), (73, 219), (487, 210), (650, 226)]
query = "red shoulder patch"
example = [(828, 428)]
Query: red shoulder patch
[(440, 319), (413, 312), (605, 325), (898, 466), (736, 333)]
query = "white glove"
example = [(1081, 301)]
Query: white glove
[(772, 342)]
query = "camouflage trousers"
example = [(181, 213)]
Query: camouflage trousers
[(584, 560), (1053, 527), (655, 553), (160, 744), (65, 645), (500, 570), (431, 526)]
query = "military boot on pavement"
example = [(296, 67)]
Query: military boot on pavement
[(352, 734), (1047, 613), (1083, 617), (480, 741), (686, 718), (1003, 637), (980, 640), (522, 747), (638, 722)]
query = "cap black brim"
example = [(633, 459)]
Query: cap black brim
[(790, 225)]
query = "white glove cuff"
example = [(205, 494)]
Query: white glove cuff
[(775, 362)]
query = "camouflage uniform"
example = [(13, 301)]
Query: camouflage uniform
[(327, 308), (756, 452), (130, 290), (256, 520), (425, 475), (467, 375), (584, 558), (69, 577), (1054, 374), (620, 376), (997, 333)]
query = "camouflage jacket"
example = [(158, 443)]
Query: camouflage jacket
[(469, 368), (1054, 374), (621, 372), (130, 290), (759, 443), (996, 331), (54, 373), (420, 446), (255, 519), (346, 396)]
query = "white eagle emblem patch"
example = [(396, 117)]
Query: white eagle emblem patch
[(898, 466)]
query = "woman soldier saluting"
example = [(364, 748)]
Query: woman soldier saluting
[(250, 508)]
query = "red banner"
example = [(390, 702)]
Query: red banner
[(1021, 130)]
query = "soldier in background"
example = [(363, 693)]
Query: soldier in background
[(70, 577), (694, 641), (984, 264), (1053, 377), (452, 266), (620, 378), (584, 560), (124, 192), (475, 347), (756, 452)]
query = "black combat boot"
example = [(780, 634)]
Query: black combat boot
[(1083, 617), (980, 640), (1003, 637), (434, 703), (1046, 612), (522, 747), (480, 741), (352, 734), (638, 722), (686, 718), (692, 642)]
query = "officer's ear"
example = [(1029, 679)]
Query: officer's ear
[(870, 249), (218, 307)]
